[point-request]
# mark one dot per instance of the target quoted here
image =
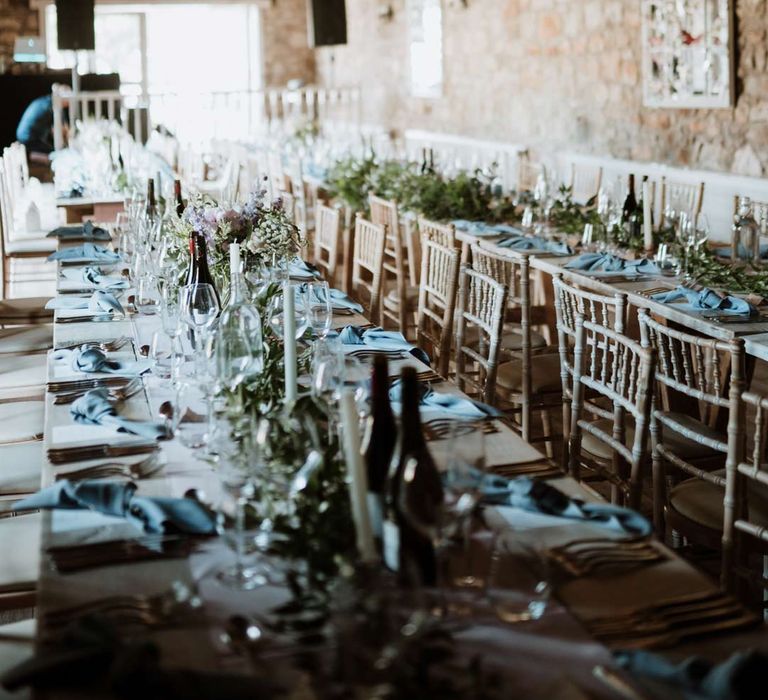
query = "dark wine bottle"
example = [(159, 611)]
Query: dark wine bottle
[(379, 443), (151, 203), (199, 273), (177, 196), (630, 203), (415, 497)]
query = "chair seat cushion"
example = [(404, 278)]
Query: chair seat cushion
[(26, 338), (25, 310), (702, 502), (22, 371), (21, 421), (511, 339), (392, 301), (21, 467), (21, 562), (688, 449), (545, 375)]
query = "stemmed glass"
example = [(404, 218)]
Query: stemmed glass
[(199, 308), (275, 314), (319, 307), (147, 295)]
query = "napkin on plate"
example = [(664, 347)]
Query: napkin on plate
[(84, 232), (480, 228), (535, 243), (87, 252), (99, 301), (95, 408), (379, 339), (705, 299), (338, 299), (540, 497), (119, 499), (607, 262), (89, 359), (94, 277), (740, 677), (302, 269), (450, 405)]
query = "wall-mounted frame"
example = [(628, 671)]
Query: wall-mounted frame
[(688, 57)]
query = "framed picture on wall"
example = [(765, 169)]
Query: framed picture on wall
[(688, 53)]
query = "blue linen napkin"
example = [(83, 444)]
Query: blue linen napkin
[(379, 339), (740, 677), (302, 269), (94, 277), (449, 404), (535, 243), (338, 299), (95, 408), (541, 497), (87, 252), (742, 252), (84, 232), (607, 262), (480, 228), (99, 301), (705, 299), (119, 499), (89, 359)]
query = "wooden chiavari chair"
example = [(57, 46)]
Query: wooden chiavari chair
[(367, 266), (620, 371), (683, 197), (481, 305), (327, 241), (527, 381), (750, 217), (693, 368), (611, 312), (585, 181), (437, 301), (745, 503), (400, 299)]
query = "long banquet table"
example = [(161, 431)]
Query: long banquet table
[(547, 658)]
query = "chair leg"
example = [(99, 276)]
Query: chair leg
[(546, 429)]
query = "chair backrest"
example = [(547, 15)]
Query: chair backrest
[(6, 204), (384, 213), (528, 174), (585, 181), (327, 242), (444, 234), (746, 477), (611, 365), (437, 300), (750, 225), (367, 266), (683, 197), (481, 305)]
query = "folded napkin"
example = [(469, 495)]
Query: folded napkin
[(705, 299), (86, 231), (607, 262), (99, 301), (301, 268), (480, 228), (94, 277), (89, 359), (87, 252), (119, 499), (541, 497), (379, 339), (95, 408), (535, 243), (740, 677), (338, 299), (448, 404)]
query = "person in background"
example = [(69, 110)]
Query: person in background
[(35, 129)]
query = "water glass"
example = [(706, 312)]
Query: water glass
[(319, 307), (161, 352), (147, 295)]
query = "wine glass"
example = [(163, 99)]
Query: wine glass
[(319, 307), (147, 295), (199, 307), (276, 315)]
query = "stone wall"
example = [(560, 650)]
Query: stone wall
[(16, 19), (287, 55), (554, 73)]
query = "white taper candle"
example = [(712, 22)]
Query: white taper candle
[(289, 338), (647, 217), (358, 477)]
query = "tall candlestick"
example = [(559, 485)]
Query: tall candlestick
[(647, 216), (358, 478), (289, 339)]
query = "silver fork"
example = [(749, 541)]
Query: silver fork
[(138, 470), (120, 393), (108, 346)]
